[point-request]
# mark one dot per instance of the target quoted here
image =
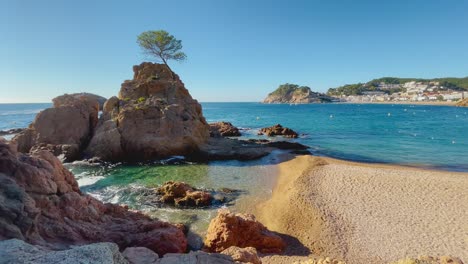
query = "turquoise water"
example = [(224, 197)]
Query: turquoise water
[(426, 136), (417, 135)]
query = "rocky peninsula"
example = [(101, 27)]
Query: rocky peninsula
[(295, 94)]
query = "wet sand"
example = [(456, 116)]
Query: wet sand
[(366, 213)]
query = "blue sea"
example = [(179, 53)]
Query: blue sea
[(414, 135)]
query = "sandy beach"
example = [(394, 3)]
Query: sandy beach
[(366, 213)]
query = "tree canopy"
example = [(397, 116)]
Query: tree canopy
[(162, 46)]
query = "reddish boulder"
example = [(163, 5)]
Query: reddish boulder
[(243, 255), (40, 202), (182, 194), (278, 130), (241, 230), (224, 129)]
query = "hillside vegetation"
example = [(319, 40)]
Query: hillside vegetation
[(460, 84)]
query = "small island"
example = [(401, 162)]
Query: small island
[(295, 94)]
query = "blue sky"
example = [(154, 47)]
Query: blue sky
[(237, 50)]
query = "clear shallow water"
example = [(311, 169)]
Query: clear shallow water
[(427, 136)]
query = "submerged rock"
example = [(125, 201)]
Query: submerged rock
[(278, 130), (182, 194), (41, 203), (224, 129), (241, 230), (11, 131), (154, 116)]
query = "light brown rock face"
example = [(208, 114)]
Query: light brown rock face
[(154, 116), (64, 129), (463, 103), (241, 230), (223, 129), (40, 202)]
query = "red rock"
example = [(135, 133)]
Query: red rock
[(40, 202), (182, 194), (224, 129), (243, 255), (241, 230)]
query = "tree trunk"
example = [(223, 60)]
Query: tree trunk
[(172, 73)]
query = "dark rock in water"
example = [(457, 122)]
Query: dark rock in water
[(11, 131), (41, 203), (182, 194), (280, 144), (153, 117), (229, 149), (278, 130), (301, 152), (224, 129), (64, 129)]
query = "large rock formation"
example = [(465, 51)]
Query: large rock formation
[(241, 230), (40, 202), (154, 116), (64, 129), (295, 94)]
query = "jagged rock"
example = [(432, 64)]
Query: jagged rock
[(224, 129), (18, 252), (154, 115), (197, 257), (430, 260), (244, 255), (241, 230), (140, 255), (278, 130), (295, 94), (41, 203), (64, 129), (182, 194)]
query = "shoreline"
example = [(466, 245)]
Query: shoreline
[(366, 213), (436, 103)]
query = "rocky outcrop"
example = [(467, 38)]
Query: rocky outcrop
[(244, 255), (463, 103), (17, 251), (64, 129), (40, 202), (295, 94), (241, 230), (278, 130), (182, 194), (154, 116), (224, 129)]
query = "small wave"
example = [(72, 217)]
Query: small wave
[(21, 112)]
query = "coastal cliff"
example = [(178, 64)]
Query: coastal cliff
[(295, 94)]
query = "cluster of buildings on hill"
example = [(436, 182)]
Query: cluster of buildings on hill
[(410, 91)]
